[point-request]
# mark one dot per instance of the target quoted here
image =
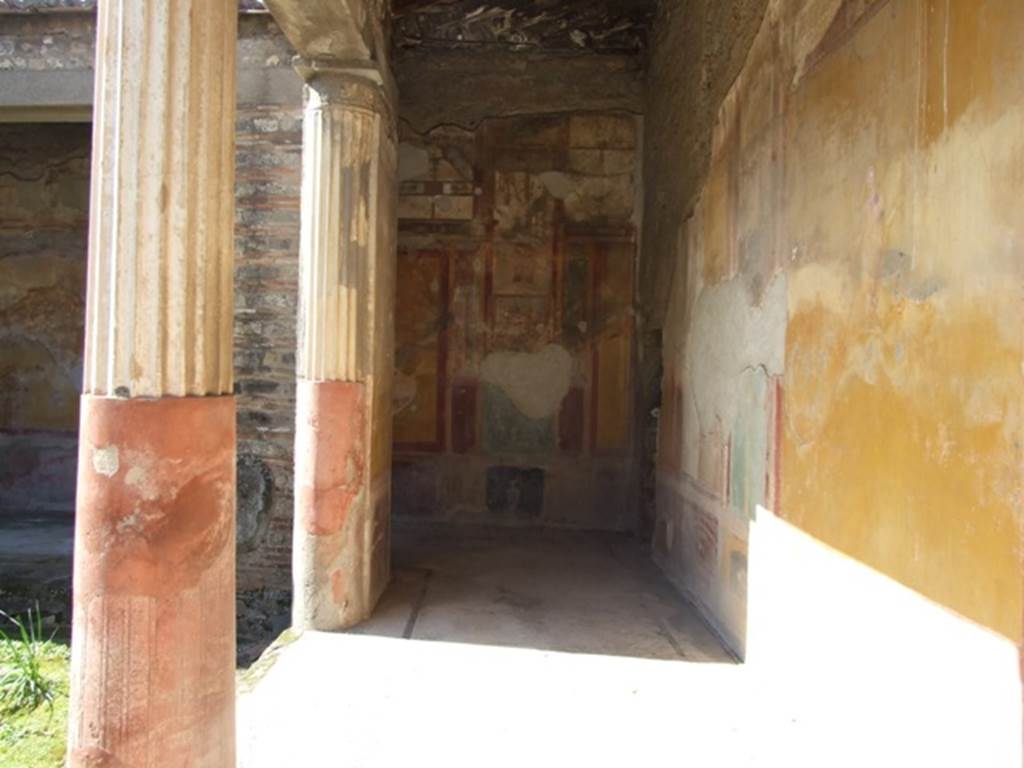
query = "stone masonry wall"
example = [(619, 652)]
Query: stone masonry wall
[(44, 193), (268, 182)]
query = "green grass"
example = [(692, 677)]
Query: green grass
[(33, 696)]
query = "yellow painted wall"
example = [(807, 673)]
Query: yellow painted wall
[(871, 156)]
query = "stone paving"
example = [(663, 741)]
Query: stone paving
[(502, 648)]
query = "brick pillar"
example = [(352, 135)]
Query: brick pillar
[(153, 638), (346, 306)]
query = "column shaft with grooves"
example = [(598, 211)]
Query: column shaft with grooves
[(153, 631), (340, 558), (341, 142), (159, 301)]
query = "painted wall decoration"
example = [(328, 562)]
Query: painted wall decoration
[(44, 203), (844, 339), (515, 349)]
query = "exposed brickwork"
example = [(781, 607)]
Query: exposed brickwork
[(268, 179), (268, 176)]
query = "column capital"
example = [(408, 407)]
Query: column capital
[(357, 83)]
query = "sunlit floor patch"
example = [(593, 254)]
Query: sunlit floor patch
[(350, 700), (493, 648)]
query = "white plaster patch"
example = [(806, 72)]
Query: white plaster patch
[(135, 476), (536, 383), (105, 461), (141, 476), (729, 336)]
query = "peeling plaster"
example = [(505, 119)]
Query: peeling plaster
[(144, 475), (728, 337), (536, 383), (105, 461), (520, 25)]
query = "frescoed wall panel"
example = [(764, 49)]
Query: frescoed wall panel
[(518, 371)]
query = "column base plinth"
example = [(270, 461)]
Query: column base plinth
[(336, 585), (153, 635)]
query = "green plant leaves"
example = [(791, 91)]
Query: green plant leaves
[(23, 685)]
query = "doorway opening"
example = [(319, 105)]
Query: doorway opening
[(44, 219)]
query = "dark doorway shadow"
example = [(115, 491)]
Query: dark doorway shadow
[(568, 591)]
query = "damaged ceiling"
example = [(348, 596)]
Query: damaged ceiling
[(602, 26), (244, 6), (599, 26)]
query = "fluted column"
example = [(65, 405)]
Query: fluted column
[(153, 636), (344, 361)]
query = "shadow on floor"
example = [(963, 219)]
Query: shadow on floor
[(594, 593)]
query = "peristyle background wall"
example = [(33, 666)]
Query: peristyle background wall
[(44, 221)]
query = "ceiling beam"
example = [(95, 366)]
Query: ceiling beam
[(333, 29)]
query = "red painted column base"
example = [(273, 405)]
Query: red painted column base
[(335, 582), (153, 638)]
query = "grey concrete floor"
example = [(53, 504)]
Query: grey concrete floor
[(566, 591)]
